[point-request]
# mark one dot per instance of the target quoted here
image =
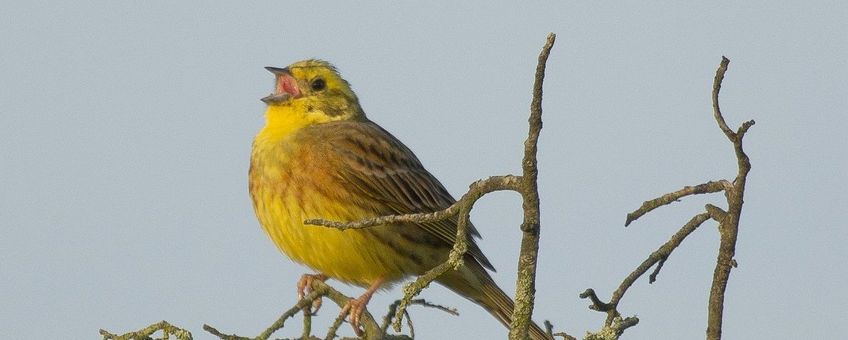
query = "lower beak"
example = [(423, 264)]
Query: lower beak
[(275, 98)]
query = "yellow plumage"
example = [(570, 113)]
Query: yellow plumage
[(318, 156), (290, 182)]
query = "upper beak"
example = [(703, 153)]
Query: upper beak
[(277, 70), (285, 87)]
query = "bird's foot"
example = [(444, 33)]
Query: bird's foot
[(304, 287), (355, 307)]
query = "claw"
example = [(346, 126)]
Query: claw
[(355, 307), (316, 305), (304, 287)]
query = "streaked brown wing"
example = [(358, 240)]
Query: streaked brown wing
[(388, 174)]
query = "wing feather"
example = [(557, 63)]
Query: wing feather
[(387, 174)]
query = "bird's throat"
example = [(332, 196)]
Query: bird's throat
[(282, 121)]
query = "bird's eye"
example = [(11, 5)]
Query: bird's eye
[(318, 84)]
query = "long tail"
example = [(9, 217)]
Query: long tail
[(475, 284)]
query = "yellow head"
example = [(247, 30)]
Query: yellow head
[(309, 92)]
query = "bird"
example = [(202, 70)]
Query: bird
[(319, 157)]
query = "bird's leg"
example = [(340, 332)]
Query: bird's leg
[(304, 286), (355, 307)]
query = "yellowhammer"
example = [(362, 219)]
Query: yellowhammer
[(318, 156)]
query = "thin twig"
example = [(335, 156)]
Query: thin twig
[(409, 324), (704, 188), (331, 332), (307, 323), (549, 328), (425, 303), (319, 289), (653, 277), (390, 315), (475, 191), (214, 331), (661, 254), (277, 325), (372, 329), (658, 256), (455, 260), (565, 336), (597, 304), (719, 77), (387, 319)]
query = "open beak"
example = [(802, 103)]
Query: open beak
[(285, 87)]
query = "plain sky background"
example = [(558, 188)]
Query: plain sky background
[(126, 132)]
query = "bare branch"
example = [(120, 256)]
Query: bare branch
[(729, 221), (147, 332), (525, 290)]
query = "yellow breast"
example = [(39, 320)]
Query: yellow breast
[(289, 183)]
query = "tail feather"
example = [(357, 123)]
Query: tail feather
[(501, 306), (478, 286)]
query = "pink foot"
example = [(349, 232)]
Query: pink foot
[(304, 287), (354, 308)]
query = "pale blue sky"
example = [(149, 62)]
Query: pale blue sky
[(126, 130)]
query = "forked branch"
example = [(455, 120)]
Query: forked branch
[(728, 227)]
